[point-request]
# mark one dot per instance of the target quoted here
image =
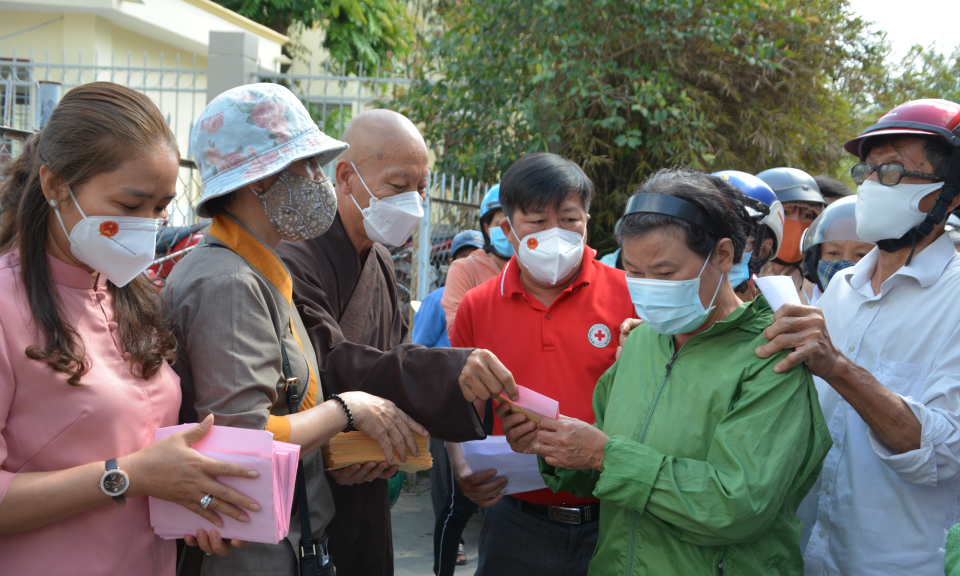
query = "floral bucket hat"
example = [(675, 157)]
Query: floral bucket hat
[(250, 132)]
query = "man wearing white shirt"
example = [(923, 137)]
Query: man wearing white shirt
[(886, 349)]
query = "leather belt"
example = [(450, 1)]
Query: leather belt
[(564, 514)]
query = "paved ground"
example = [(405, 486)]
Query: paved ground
[(413, 533)]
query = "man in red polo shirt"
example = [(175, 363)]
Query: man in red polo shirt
[(550, 317)]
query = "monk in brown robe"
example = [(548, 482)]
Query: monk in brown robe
[(345, 289)]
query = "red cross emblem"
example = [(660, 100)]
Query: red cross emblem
[(599, 335)]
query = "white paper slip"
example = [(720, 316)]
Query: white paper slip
[(521, 470), (778, 290)]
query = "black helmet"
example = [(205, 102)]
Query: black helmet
[(792, 185)]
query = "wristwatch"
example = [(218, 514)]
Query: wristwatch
[(115, 482)]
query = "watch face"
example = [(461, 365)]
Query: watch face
[(114, 482)]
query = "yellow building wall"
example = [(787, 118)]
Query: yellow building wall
[(88, 39)]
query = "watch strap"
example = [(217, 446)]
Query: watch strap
[(112, 464)]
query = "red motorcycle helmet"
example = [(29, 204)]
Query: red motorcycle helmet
[(928, 117)]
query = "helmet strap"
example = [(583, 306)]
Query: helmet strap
[(488, 243), (936, 215), (756, 263)]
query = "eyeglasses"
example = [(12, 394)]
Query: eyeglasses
[(889, 174)]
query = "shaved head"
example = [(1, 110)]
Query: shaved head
[(375, 134), (387, 157)]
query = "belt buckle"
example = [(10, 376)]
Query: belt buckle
[(565, 515)]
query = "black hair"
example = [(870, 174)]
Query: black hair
[(542, 180), (219, 204), (831, 188), (719, 200)]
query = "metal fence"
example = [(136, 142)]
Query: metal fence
[(452, 206), (333, 98), (179, 88), (177, 85)]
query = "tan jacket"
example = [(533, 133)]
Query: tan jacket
[(463, 275), (230, 309)]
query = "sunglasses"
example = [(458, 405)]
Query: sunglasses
[(889, 174)]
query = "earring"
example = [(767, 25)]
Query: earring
[(53, 202)]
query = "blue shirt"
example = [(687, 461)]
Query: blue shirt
[(430, 323), (610, 259)]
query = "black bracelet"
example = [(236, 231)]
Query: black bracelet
[(337, 397)]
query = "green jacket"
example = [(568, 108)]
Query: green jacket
[(709, 456)]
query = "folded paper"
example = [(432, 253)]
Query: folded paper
[(778, 290), (273, 490), (349, 448), (533, 404), (521, 470)]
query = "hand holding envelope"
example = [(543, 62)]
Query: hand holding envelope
[(533, 404), (276, 463)]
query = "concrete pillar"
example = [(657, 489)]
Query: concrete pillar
[(231, 61)]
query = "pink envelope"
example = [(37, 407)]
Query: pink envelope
[(533, 404), (273, 489)]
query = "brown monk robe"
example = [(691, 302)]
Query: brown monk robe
[(345, 289)]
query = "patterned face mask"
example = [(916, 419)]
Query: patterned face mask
[(827, 269), (299, 208)]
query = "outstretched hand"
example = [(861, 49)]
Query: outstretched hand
[(171, 470), (483, 488), (625, 329), (572, 444), (484, 377), (520, 431), (212, 543), (361, 473), (390, 426), (803, 330)]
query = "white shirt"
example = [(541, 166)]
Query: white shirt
[(873, 512), (815, 296)]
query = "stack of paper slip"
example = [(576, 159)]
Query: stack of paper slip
[(273, 490), (349, 448)]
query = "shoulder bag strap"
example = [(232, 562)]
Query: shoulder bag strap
[(310, 562)]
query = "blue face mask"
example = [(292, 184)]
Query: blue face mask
[(500, 243), (670, 306), (826, 270), (740, 273)]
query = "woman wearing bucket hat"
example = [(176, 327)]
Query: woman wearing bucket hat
[(244, 351)]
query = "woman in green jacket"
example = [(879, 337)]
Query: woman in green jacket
[(701, 453)]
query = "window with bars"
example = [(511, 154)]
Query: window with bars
[(16, 92)]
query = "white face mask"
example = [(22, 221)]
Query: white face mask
[(390, 220), (889, 212), (550, 255), (120, 248)]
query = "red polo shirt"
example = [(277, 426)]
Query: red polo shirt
[(560, 351)]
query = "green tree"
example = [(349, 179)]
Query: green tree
[(923, 73), (624, 88), (371, 33)]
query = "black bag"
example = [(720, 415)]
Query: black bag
[(311, 563)]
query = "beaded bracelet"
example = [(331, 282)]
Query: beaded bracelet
[(337, 397)]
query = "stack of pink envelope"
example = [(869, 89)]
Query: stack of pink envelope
[(273, 489), (533, 404)]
